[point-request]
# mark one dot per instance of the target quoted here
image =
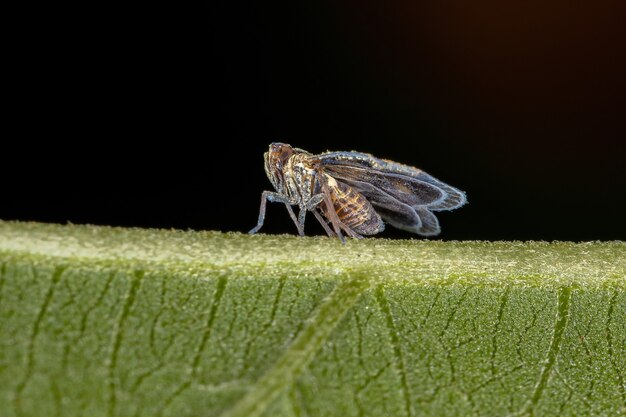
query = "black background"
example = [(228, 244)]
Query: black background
[(158, 116)]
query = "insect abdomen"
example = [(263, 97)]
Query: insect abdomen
[(354, 210)]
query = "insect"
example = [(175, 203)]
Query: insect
[(354, 193)]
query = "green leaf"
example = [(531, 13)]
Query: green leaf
[(98, 321)]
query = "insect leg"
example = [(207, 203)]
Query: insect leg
[(334, 219), (295, 220), (320, 219), (350, 232), (301, 218), (311, 205), (274, 197), (314, 201)]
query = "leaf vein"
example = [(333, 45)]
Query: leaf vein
[(303, 349), (30, 349), (397, 350), (560, 323), (609, 337), (217, 297), (117, 337)]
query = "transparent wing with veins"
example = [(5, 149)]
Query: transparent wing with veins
[(405, 197)]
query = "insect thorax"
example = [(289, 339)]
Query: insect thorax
[(300, 178)]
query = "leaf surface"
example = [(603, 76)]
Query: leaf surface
[(128, 322)]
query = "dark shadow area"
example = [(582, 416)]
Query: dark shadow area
[(159, 117)]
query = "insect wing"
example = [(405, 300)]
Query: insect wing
[(405, 189), (393, 211), (410, 185), (403, 196)]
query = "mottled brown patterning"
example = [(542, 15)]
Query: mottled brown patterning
[(354, 192), (353, 209)]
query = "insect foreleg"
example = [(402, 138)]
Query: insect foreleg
[(274, 197)]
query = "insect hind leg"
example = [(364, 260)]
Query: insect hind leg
[(349, 231), (332, 216), (274, 197), (338, 225)]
